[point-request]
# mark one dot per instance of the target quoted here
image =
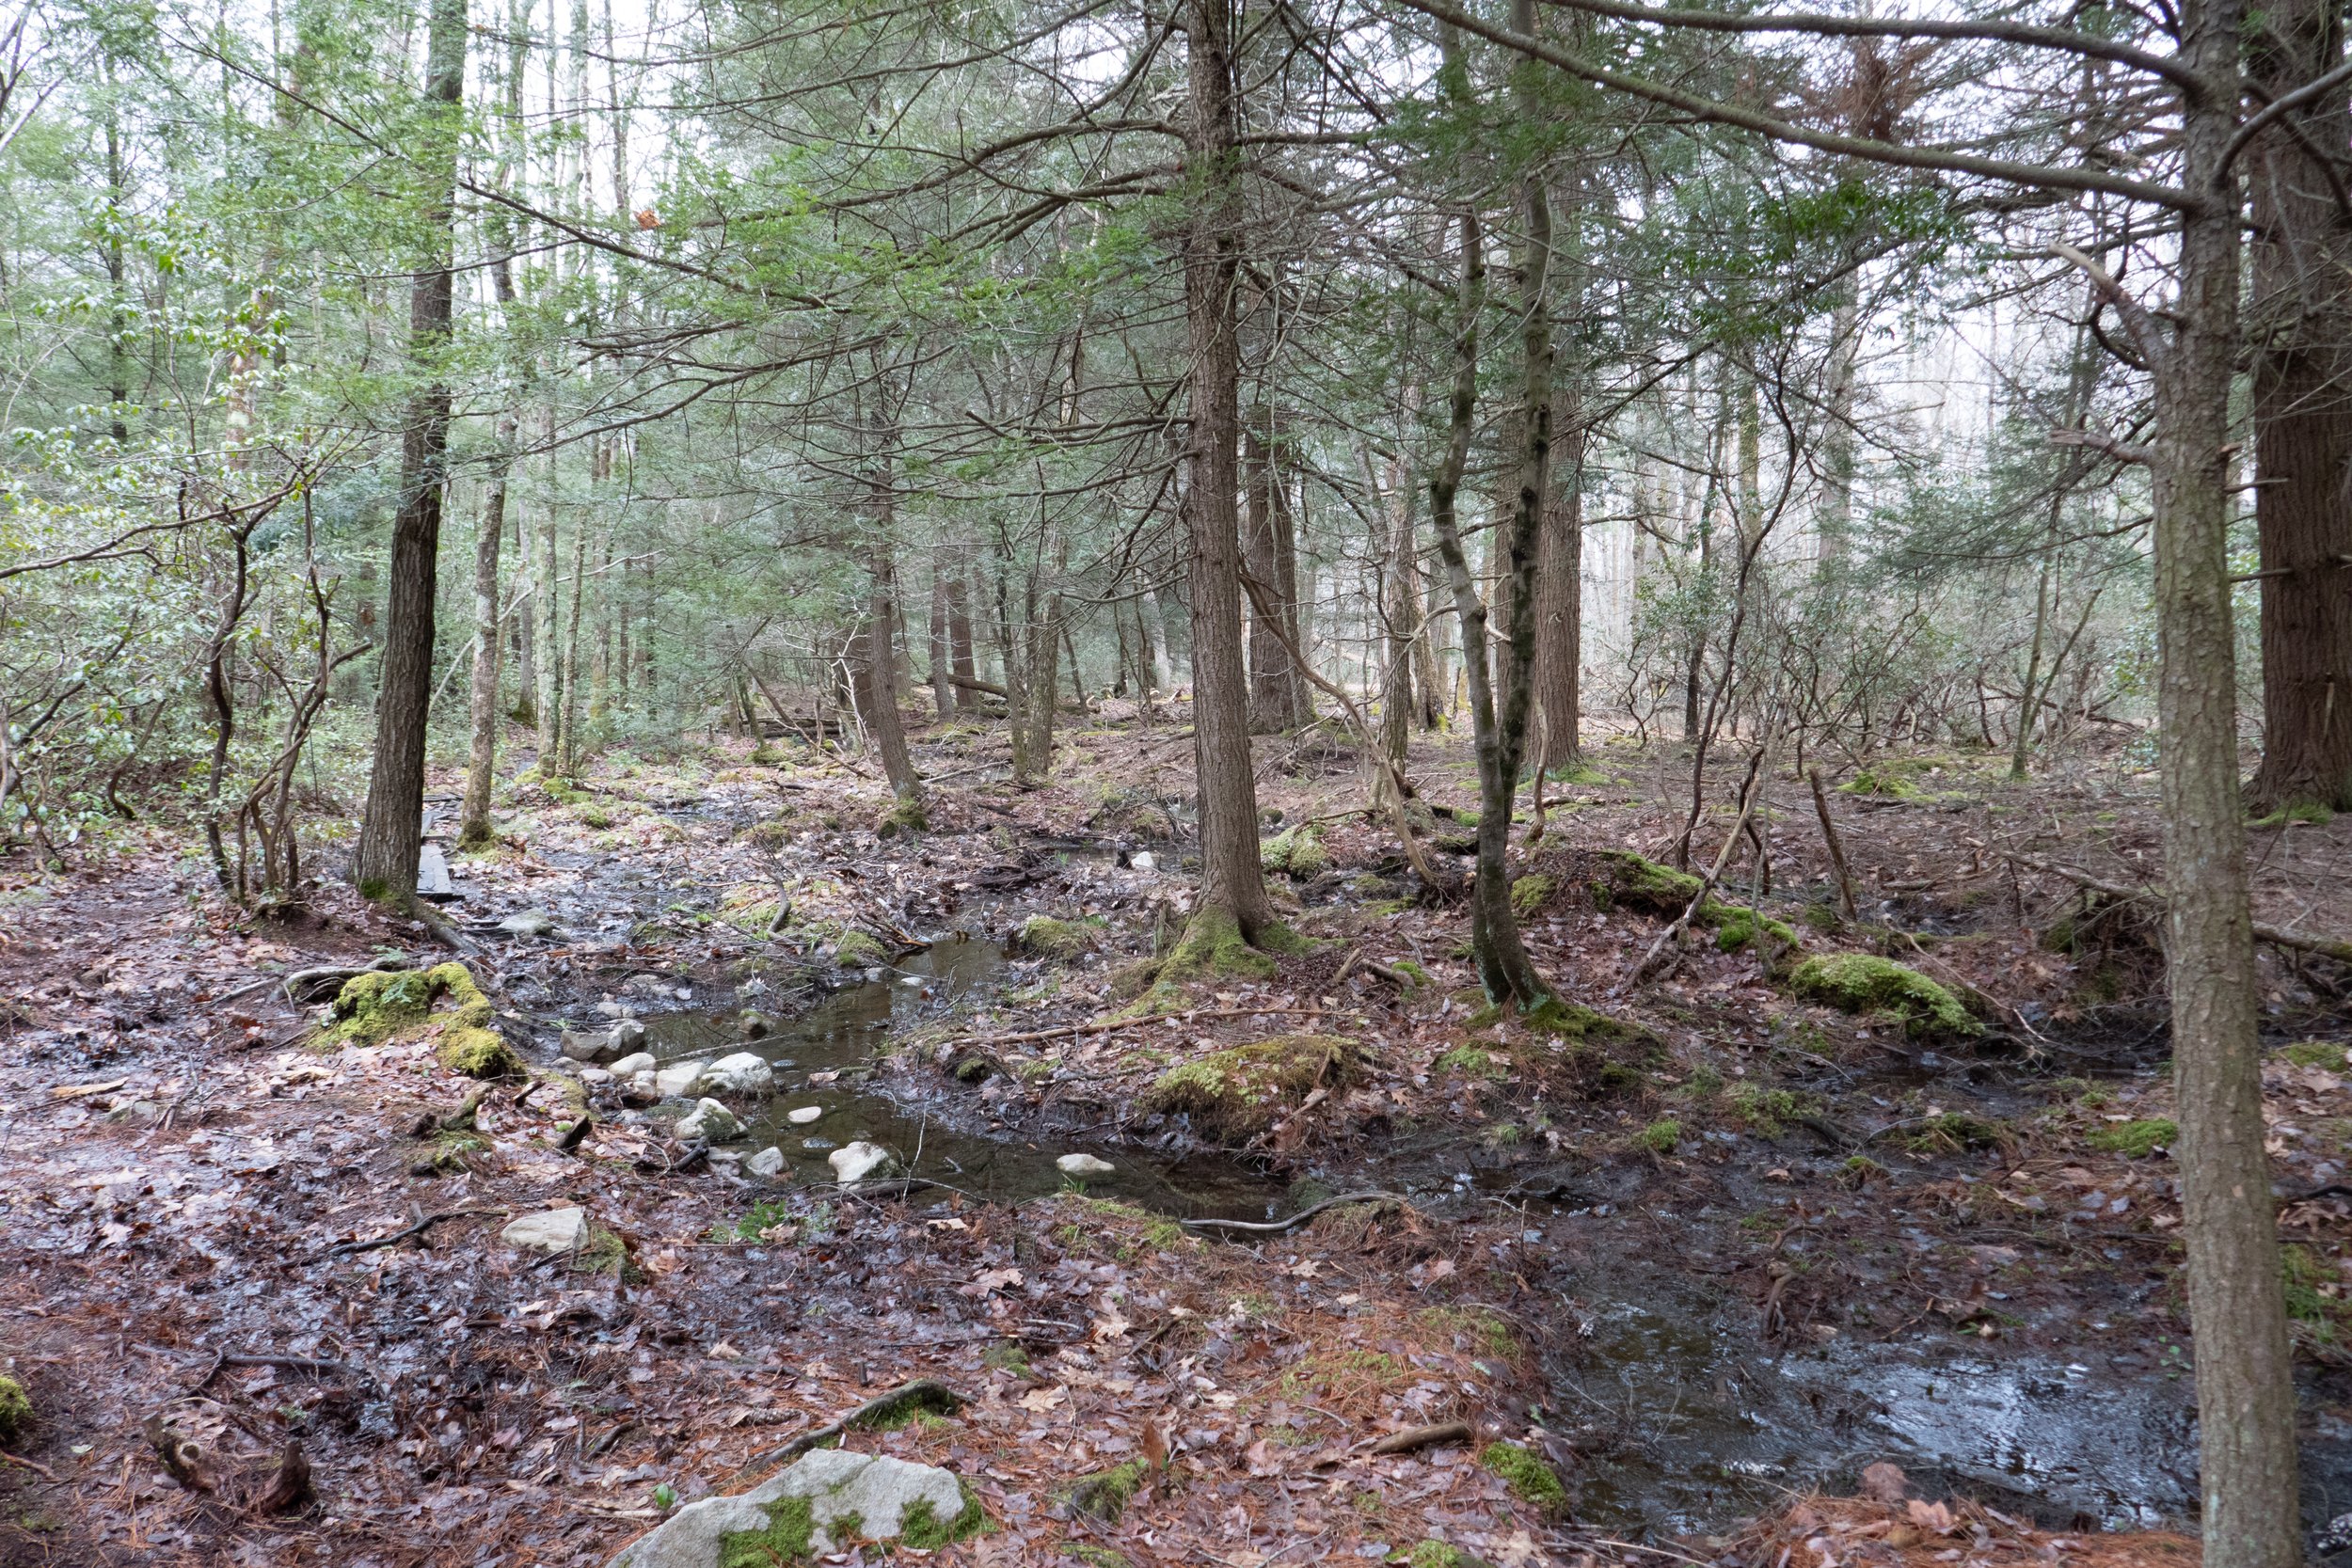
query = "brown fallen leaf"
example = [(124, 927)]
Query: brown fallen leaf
[(1885, 1482)]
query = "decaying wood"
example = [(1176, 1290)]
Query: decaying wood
[(574, 1132), (1424, 1437), (1837, 848), (423, 1223), (460, 1120)]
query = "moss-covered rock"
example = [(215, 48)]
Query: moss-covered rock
[(854, 949), (1104, 1496), (1532, 892), (1637, 882), (16, 1408), (1241, 1092), (1740, 926), (1048, 938), (1295, 852), (388, 1005), (1863, 982), (904, 818), (1533, 1481)]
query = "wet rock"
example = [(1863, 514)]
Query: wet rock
[(529, 923), (597, 1047), (681, 1078), (1145, 861), (1083, 1164), (595, 1075), (628, 1035), (741, 1073), (755, 1026), (641, 1088), (631, 1066), (855, 1162), (767, 1161), (804, 1115), (551, 1230), (790, 1517), (708, 1122)]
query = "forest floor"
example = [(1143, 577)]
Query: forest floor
[(1672, 1265)]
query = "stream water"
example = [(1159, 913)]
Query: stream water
[(1683, 1419)]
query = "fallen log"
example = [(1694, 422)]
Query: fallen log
[(2278, 935)]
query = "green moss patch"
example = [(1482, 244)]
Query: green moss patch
[(1241, 1092), (1637, 882), (1213, 948), (1660, 1137), (16, 1407), (2135, 1140), (2319, 1054), (791, 1522), (1531, 893), (389, 1004), (1104, 1496), (854, 949), (1295, 852), (1862, 982), (1049, 938), (1530, 1478)]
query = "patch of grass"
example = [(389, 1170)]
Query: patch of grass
[(1863, 982), (1765, 1111), (2319, 1054), (1241, 1092), (1471, 1062), (2310, 813), (1951, 1131), (1660, 1137), (1104, 1496), (1490, 1333), (1533, 1481), (2135, 1140)]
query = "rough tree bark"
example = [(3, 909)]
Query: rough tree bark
[(1273, 683), (1232, 894), (2301, 327), (880, 672), (392, 828), (473, 827), (1560, 612)]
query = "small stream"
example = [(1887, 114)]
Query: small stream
[(1683, 1419), (842, 1035)]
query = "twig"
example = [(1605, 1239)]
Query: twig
[(1423, 1437), (922, 1393), (346, 1249), (1836, 850), (28, 1463), (1276, 1228)]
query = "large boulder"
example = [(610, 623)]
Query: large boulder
[(627, 1035), (792, 1515), (745, 1072), (1084, 1164)]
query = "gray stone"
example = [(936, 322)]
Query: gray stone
[(709, 1121), (550, 1232), (627, 1035), (767, 1161), (755, 1026), (853, 1162), (874, 1490), (597, 1047), (804, 1115), (681, 1078), (529, 923), (641, 1090), (595, 1075), (1083, 1164), (630, 1067), (744, 1072), (1143, 859)]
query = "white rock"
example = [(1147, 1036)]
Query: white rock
[(627, 1035), (708, 1121), (529, 923), (767, 1161), (596, 1047), (1083, 1164), (1144, 860), (630, 1067), (595, 1075), (681, 1078), (855, 1163), (743, 1074), (875, 1490), (805, 1115), (550, 1232), (641, 1088)]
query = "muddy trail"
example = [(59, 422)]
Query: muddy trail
[(1712, 1245)]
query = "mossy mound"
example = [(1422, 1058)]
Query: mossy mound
[(1048, 938), (1104, 1496), (386, 1004), (1533, 1481), (1531, 893), (854, 949), (1213, 948), (1295, 852), (1862, 982), (2135, 1140), (16, 1408), (905, 819), (1241, 1092), (1741, 927), (1637, 882)]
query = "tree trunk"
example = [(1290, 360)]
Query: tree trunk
[(1272, 687), (392, 828), (1232, 883), (942, 656), (1401, 609), (2302, 330), (882, 673), (568, 733), (2244, 1378), (483, 708), (1560, 612)]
